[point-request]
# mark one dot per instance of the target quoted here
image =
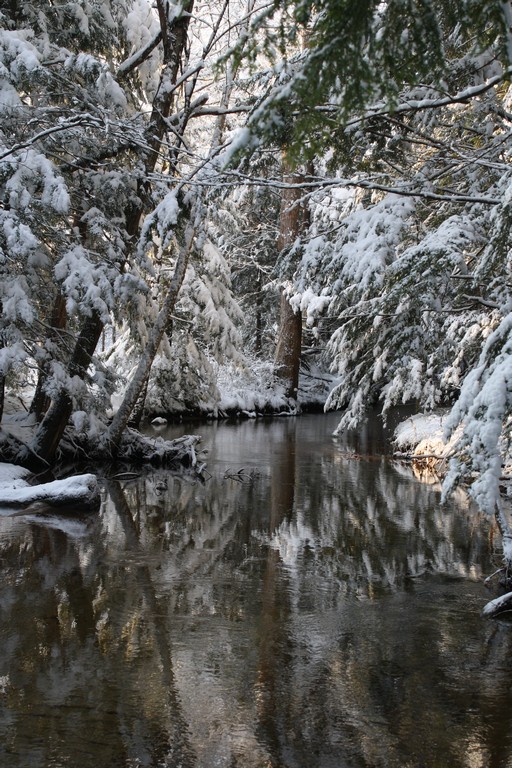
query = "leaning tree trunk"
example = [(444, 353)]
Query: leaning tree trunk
[(174, 36), (140, 378), (131, 410), (51, 428)]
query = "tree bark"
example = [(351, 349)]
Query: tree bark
[(2, 395), (288, 349), (51, 428), (141, 375), (289, 340), (41, 402)]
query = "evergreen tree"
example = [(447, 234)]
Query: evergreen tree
[(99, 150)]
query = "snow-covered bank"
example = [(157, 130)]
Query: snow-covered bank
[(17, 494), (241, 392), (422, 438)]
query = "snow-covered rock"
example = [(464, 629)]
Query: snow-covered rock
[(16, 493)]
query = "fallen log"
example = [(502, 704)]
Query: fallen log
[(498, 606), (133, 448)]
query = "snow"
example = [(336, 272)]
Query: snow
[(18, 53), (422, 434), (142, 27), (32, 171), (498, 605), (15, 492), (11, 475), (163, 220), (110, 92), (84, 282)]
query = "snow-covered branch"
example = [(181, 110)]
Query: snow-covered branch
[(324, 183), (82, 119), (136, 59)]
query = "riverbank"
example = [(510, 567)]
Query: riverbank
[(422, 438)]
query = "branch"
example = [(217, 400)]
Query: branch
[(220, 111), (461, 97), (62, 126), (314, 184), (137, 58), (498, 605), (479, 300)]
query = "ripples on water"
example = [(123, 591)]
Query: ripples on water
[(310, 604)]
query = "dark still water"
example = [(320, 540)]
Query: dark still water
[(311, 604)]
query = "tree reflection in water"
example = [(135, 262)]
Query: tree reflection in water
[(319, 609)]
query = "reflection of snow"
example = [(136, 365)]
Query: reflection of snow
[(290, 539)]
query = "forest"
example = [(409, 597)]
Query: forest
[(245, 207)]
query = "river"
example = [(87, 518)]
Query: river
[(310, 604)]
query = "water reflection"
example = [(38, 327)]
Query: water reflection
[(305, 606)]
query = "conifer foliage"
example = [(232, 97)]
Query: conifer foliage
[(140, 199), (98, 156)]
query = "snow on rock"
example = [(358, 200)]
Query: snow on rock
[(15, 492), (13, 476)]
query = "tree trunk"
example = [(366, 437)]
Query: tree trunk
[(2, 395), (141, 375), (51, 428), (289, 344), (41, 402), (132, 407), (289, 340), (258, 344)]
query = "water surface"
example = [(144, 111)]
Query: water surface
[(309, 604)]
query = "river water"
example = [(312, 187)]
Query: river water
[(310, 604)]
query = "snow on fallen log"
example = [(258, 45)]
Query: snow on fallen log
[(498, 605), (133, 448), (142, 449), (16, 493)]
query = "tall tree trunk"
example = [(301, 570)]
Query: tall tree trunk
[(2, 377), (258, 344), (289, 340), (289, 345), (2, 395)]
